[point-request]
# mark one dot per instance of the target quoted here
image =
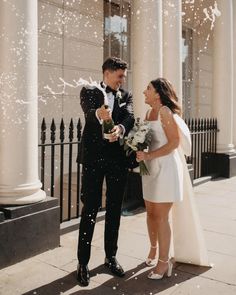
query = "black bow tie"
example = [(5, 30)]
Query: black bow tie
[(109, 89)]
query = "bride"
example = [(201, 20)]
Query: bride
[(168, 189)]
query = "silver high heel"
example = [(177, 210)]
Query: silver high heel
[(168, 272), (150, 261)]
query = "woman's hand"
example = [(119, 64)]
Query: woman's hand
[(142, 156)]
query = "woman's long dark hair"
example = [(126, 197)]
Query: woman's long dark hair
[(167, 94)]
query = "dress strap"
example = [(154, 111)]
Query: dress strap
[(162, 107), (148, 114)]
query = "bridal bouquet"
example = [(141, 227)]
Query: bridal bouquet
[(138, 139)]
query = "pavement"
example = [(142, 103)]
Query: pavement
[(54, 272)]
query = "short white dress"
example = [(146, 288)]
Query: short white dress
[(169, 181), (165, 182)]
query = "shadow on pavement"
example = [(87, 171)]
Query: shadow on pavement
[(135, 282)]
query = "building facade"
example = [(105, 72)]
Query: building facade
[(180, 40), (48, 45)]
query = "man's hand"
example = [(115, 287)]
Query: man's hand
[(103, 113), (116, 132)]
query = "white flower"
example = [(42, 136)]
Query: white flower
[(118, 94), (119, 97), (132, 146), (139, 137)]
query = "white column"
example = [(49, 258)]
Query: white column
[(172, 38), (234, 73), (146, 50), (223, 76), (19, 182)]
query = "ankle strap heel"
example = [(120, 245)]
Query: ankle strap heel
[(170, 266), (151, 261), (168, 272), (163, 261)]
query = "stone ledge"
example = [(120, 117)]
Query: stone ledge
[(21, 210), (201, 180)]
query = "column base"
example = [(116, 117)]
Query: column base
[(219, 164), (226, 149), (28, 230), (32, 198)]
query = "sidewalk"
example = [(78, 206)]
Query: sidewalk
[(53, 272)]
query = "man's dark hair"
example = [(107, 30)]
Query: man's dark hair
[(114, 64)]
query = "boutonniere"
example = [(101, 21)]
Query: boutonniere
[(119, 98)]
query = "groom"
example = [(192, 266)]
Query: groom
[(102, 158)]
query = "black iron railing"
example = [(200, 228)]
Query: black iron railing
[(204, 139), (50, 148)]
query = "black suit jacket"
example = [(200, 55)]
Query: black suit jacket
[(93, 146)]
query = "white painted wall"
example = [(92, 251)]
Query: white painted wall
[(201, 102), (71, 47)]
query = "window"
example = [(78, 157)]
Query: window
[(187, 74), (117, 34)]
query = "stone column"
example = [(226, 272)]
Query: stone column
[(234, 73), (172, 38), (146, 51), (19, 181), (223, 76)]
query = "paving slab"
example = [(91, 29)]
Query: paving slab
[(220, 243), (201, 286), (28, 275), (223, 268), (219, 225)]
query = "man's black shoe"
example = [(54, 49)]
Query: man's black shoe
[(114, 266), (83, 276)]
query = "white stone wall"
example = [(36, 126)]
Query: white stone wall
[(203, 75), (201, 102), (71, 47)]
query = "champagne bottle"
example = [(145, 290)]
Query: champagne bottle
[(107, 126)]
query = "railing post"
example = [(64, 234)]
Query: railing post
[(62, 137), (43, 139), (53, 138), (71, 136)]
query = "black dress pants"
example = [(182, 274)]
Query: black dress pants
[(115, 173)]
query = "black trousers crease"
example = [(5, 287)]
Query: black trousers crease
[(115, 174)]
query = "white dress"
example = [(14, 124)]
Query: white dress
[(169, 180), (164, 184)]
